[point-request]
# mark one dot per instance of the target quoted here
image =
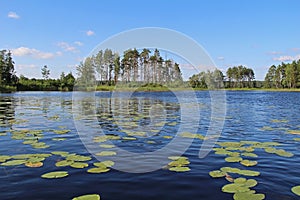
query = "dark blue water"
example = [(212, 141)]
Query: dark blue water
[(247, 114)]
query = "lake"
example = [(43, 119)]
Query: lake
[(46, 128)]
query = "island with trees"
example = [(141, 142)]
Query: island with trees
[(147, 70)]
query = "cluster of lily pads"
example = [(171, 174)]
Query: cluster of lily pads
[(178, 164), (240, 152)]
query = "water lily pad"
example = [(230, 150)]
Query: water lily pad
[(248, 196), (79, 158), (167, 137), (180, 169), (222, 151), (249, 173), (79, 165), (87, 197), (61, 131), (217, 174), (108, 163), (106, 153), (59, 139), (294, 132), (98, 170), (13, 162), (296, 139), (230, 170), (234, 188), (229, 144), (128, 138), (4, 158), (56, 174), (107, 146), (253, 155), (296, 190), (233, 159), (283, 153), (188, 135), (34, 164), (60, 153), (248, 163), (270, 150), (64, 163), (179, 162)]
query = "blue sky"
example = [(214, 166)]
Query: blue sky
[(60, 33)]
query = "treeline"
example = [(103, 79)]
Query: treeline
[(9, 81), (285, 75), (236, 77), (108, 68), (64, 83)]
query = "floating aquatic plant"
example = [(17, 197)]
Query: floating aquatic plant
[(56, 174), (296, 190), (248, 163), (106, 153), (217, 174), (87, 197)]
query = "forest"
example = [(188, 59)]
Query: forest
[(145, 69), (135, 68)]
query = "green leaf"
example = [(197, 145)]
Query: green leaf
[(13, 162), (180, 169), (56, 174), (87, 197), (217, 174), (233, 159), (296, 190), (248, 163), (79, 165), (106, 153), (98, 170)]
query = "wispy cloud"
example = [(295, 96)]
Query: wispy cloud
[(13, 15), (295, 49), (90, 33), (78, 43), (25, 51), (287, 58), (25, 66), (220, 58), (67, 47), (274, 52)]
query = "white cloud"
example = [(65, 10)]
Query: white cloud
[(90, 33), (67, 47), (221, 58), (287, 58), (13, 15), (25, 66), (25, 51), (78, 43), (274, 53)]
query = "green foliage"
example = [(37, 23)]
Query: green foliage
[(8, 79), (285, 75)]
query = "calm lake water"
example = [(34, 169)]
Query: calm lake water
[(253, 116)]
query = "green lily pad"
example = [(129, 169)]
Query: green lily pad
[(106, 153), (296, 190), (233, 159), (108, 163), (78, 158), (222, 151), (253, 155), (248, 196), (56, 174), (79, 165), (98, 170), (283, 153), (249, 173), (270, 150), (128, 138), (59, 139), (179, 162), (229, 144), (217, 174), (296, 139), (107, 146), (230, 170), (87, 197), (234, 188), (167, 137), (180, 169), (64, 163), (60, 153), (4, 158), (13, 162), (61, 131), (188, 135), (248, 163)]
